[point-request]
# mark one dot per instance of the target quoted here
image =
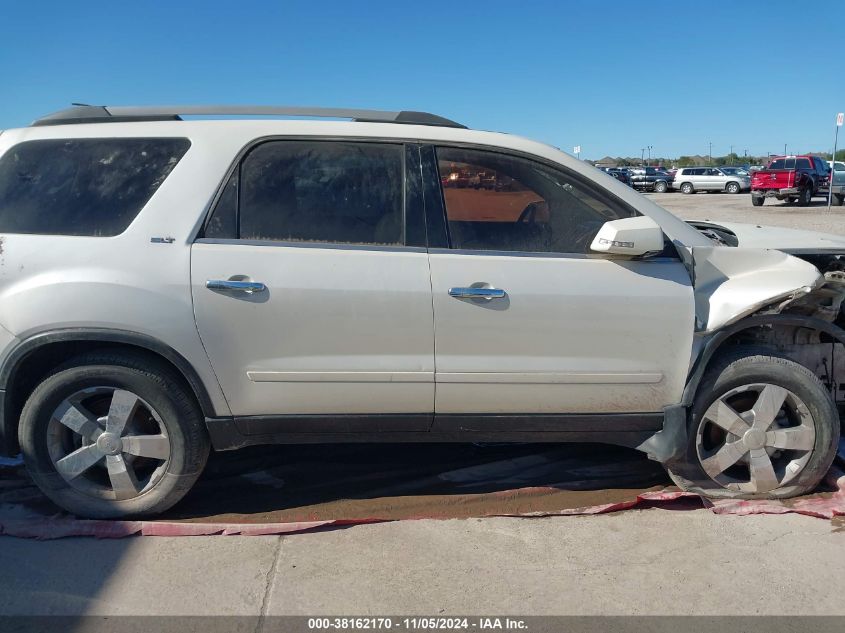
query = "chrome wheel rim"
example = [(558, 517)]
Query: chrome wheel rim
[(755, 438), (108, 443)]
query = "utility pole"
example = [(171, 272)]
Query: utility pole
[(642, 157), (710, 154), (840, 119), (784, 149), (649, 155), (731, 155)]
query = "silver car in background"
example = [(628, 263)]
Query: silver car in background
[(692, 179)]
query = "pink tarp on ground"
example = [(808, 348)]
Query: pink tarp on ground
[(478, 490)]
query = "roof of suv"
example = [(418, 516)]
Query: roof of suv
[(80, 113)]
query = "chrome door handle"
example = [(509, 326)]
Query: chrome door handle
[(238, 286), (477, 293)]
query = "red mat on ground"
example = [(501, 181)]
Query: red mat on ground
[(286, 490)]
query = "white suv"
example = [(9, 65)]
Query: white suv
[(692, 179), (171, 285)]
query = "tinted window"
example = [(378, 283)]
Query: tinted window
[(224, 221), (322, 192), (782, 163), (804, 163), (699, 171), (499, 202), (82, 186)]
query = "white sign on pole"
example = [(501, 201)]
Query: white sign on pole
[(840, 118), (576, 149)]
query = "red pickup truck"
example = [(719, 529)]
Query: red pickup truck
[(790, 178)]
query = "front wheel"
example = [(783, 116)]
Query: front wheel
[(762, 426), (113, 435), (733, 187), (757, 201), (660, 187)]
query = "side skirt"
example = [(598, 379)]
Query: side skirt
[(629, 429)]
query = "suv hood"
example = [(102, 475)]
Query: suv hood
[(756, 236)]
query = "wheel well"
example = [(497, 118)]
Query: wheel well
[(818, 345), (32, 368)]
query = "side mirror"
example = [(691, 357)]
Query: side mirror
[(629, 236)]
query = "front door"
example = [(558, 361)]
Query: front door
[(527, 321), (311, 296)]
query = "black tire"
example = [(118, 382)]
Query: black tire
[(660, 186), (745, 366), (154, 385), (840, 199), (757, 201), (805, 197), (687, 188), (732, 187)]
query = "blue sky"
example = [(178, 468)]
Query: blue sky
[(611, 76)]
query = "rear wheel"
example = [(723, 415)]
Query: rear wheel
[(112, 435), (733, 187), (762, 426), (840, 199), (757, 201), (805, 196), (687, 188)]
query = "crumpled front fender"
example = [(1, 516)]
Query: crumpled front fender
[(731, 283)]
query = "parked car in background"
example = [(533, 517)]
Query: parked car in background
[(694, 179), (650, 179), (170, 286), (620, 174), (790, 178), (731, 170), (837, 184)]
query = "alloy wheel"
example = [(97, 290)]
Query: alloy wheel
[(108, 443), (755, 438)]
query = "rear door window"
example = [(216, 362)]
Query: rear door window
[(90, 187), (315, 191)]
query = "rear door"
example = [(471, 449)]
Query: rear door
[(311, 287), (527, 321), (713, 179)]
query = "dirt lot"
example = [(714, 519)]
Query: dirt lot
[(724, 207)]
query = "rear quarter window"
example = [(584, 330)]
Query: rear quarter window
[(89, 187)]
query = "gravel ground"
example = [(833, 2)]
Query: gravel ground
[(724, 207)]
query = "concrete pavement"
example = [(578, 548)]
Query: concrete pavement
[(634, 562)]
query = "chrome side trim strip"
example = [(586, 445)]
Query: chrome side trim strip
[(340, 376), (550, 378)]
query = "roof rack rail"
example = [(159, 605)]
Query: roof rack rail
[(114, 114)]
